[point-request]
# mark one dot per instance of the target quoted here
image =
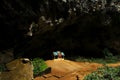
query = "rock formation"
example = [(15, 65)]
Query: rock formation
[(19, 69)]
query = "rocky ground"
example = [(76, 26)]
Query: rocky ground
[(70, 70)]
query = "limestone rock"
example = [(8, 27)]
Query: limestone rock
[(19, 69), (6, 54)]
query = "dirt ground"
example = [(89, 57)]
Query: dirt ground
[(70, 70)]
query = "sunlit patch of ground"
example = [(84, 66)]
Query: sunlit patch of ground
[(70, 70)]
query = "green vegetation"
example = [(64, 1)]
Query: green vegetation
[(2, 67), (39, 66), (106, 73), (109, 59), (107, 53)]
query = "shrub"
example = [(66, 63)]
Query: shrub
[(106, 73), (2, 67), (39, 66), (112, 59), (107, 53)]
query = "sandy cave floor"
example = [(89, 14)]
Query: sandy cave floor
[(70, 70)]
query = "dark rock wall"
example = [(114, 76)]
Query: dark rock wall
[(87, 27)]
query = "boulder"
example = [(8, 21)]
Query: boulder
[(19, 69), (6, 56), (46, 71)]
